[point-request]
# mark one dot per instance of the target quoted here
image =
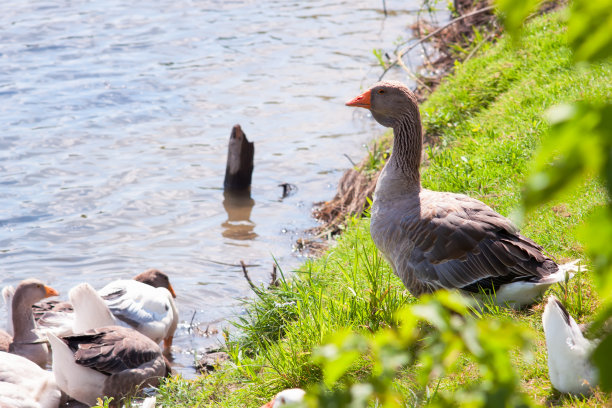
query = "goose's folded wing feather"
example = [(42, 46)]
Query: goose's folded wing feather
[(59, 323), (51, 305), (135, 303), (460, 242), (112, 350)]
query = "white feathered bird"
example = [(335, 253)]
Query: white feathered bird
[(286, 398), (24, 384), (569, 352)]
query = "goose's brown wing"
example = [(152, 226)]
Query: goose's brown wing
[(112, 349), (460, 242), (48, 305)]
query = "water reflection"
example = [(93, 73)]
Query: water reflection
[(238, 206)]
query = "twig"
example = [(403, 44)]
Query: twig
[(273, 278), (412, 75), (385, 7), (418, 22), (246, 275), (445, 26), (403, 52), (191, 322), (349, 159), (225, 263)]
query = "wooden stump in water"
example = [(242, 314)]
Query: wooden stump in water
[(239, 169)]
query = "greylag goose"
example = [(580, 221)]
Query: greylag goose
[(109, 361), (24, 341), (569, 366), (25, 384), (289, 397), (435, 240)]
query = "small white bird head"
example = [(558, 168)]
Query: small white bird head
[(286, 398)]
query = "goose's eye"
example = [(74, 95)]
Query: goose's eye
[(381, 91)]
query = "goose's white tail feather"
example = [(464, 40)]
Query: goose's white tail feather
[(519, 294), (565, 272), (569, 352), (81, 383), (90, 310), (7, 295)]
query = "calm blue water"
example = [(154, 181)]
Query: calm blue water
[(115, 118)]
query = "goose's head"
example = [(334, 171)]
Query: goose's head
[(31, 291), (157, 279), (390, 102), (286, 398)]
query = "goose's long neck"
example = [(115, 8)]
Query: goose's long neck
[(23, 321), (407, 148)]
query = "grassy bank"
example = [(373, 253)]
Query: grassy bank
[(487, 119)]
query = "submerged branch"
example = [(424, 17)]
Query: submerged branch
[(247, 277)]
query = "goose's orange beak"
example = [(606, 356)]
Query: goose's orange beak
[(49, 291), (361, 101), (268, 405), (171, 289), (168, 342)]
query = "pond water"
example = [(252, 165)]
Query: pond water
[(115, 119)]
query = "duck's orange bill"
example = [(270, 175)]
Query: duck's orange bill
[(168, 342), (268, 405), (49, 291), (172, 292), (361, 101)]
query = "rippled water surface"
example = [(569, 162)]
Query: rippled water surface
[(115, 118)]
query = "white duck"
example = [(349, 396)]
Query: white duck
[(23, 341), (24, 384), (150, 310), (435, 240), (285, 398), (127, 303), (110, 361), (569, 366)]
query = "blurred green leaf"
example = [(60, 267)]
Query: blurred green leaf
[(513, 13), (590, 28), (336, 357), (602, 356), (440, 333), (596, 234), (579, 143)]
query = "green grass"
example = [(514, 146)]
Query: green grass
[(488, 119)]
